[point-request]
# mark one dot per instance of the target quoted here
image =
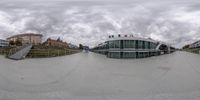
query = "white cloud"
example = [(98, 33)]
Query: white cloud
[(91, 22), (182, 15)]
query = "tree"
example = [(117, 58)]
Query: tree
[(80, 46), (18, 42), (11, 42), (186, 46)]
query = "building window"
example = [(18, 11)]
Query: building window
[(140, 44), (152, 45), (114, 44), (114, 54), (146, 54), (132, 44), (129, 44), (126, 44), (140, 55), (129, 55), (146, 45), (117, 44)]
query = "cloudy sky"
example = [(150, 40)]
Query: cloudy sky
[(90, 22)]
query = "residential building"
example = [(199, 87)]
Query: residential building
[(27, 38), (4, 43), (70, 45), (55, 43), (195, 44)]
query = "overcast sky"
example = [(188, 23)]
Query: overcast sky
[(176, 22)]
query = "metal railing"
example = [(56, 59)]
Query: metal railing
[(20, 52), (37, 53)]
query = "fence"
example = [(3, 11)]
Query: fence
[(16, 49), (36, 53), (4, 51), (193, 50)]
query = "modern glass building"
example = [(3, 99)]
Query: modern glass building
[(132, 47)]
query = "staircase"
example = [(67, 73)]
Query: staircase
[(20, 53)]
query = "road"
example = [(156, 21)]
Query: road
[(90, 76)]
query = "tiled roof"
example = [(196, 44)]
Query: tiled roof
[(25, 34)]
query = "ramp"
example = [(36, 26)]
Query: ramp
[(21, 53), (158, 46)]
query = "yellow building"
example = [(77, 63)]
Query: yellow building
[(27, 38)]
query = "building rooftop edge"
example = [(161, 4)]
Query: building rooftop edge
[(24, 35)]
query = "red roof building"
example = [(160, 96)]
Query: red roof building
[(55, 43)]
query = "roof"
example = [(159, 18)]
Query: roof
[(196, 42), (58, 40), (132, 37), (2, 40), (129, 37), (25, 34)]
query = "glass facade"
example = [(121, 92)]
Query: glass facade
[(114, 44), (114, 55), (129, 55), (128, 49), (129, 44), (146, 45), (140, 44), (143, 54), (153, 45), (136, 44)]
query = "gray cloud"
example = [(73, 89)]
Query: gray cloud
[(90, 22)]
